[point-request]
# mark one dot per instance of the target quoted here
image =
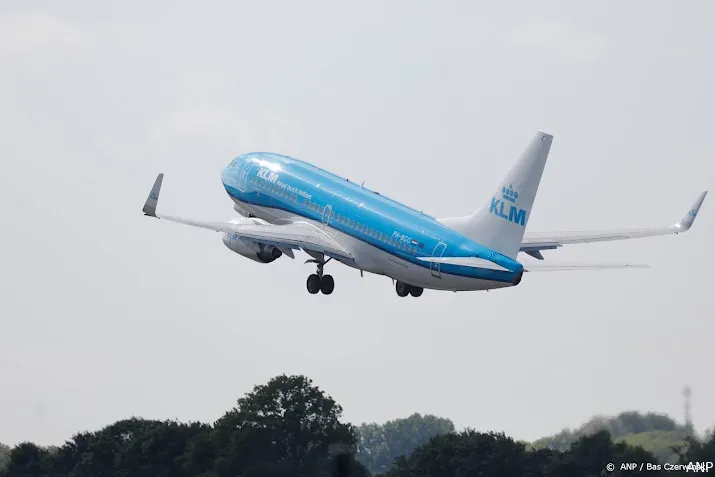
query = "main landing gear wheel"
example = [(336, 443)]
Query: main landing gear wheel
[(318, 282), (327, 284), (313, 284), (403, 289)]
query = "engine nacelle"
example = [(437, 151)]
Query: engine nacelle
[(257, 252)]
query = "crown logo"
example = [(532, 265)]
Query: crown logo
[(693, 213), (508, 193)]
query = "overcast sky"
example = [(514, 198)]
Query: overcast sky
[(106, 314)]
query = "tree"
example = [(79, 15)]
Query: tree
[(662, 433), (590, 455), (380, 445), (4, 456), (470, 454), (285, 427), (27, 460), (697, 451)]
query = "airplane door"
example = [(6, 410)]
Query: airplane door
[(438, 251), (326, 214), (244, 176)]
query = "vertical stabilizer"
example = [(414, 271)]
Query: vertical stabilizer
[(501, 223)]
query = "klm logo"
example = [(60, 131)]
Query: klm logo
[(266, 174), (513, 213)]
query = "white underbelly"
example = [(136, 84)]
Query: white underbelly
[(374, 260)]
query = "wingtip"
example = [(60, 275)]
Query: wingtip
[(153, 199), (687, 221)]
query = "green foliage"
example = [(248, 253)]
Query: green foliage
[(475, 454), (659, 443), (625, 424), (283, 428), (380, 445), (287, 422), (472, 454), (288, 427), (4, 456)]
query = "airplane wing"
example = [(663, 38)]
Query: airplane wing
[(567, 267), (534, 243), (474, 262), (295, 235)]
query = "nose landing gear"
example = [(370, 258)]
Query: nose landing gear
[(318, 282)]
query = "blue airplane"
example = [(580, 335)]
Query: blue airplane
[(286, 204)]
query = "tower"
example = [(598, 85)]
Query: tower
[(687, 394)]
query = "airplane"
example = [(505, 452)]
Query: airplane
[(287, 204)]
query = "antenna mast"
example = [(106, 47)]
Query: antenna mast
[(687, 394)]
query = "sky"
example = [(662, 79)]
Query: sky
[(107, 314)]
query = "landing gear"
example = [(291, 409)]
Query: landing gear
[(327, 284), (317, 282), (403, 289), (313, 284)]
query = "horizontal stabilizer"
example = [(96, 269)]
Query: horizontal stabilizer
[(473, 262), (566, 267)]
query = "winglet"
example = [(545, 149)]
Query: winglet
[(153, 199), (687, 221)]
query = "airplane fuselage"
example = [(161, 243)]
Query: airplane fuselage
[(383, 236)]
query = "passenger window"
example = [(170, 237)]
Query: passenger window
[(332, 214)]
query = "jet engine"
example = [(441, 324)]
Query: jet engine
[(257, 252)]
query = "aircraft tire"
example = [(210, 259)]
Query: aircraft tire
[(313, 284), (416, 291), (402, 289), (327, 284)]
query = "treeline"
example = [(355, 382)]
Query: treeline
[(289, 427), (656, 433)]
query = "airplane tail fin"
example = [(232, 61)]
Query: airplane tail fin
[(500, 224)]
